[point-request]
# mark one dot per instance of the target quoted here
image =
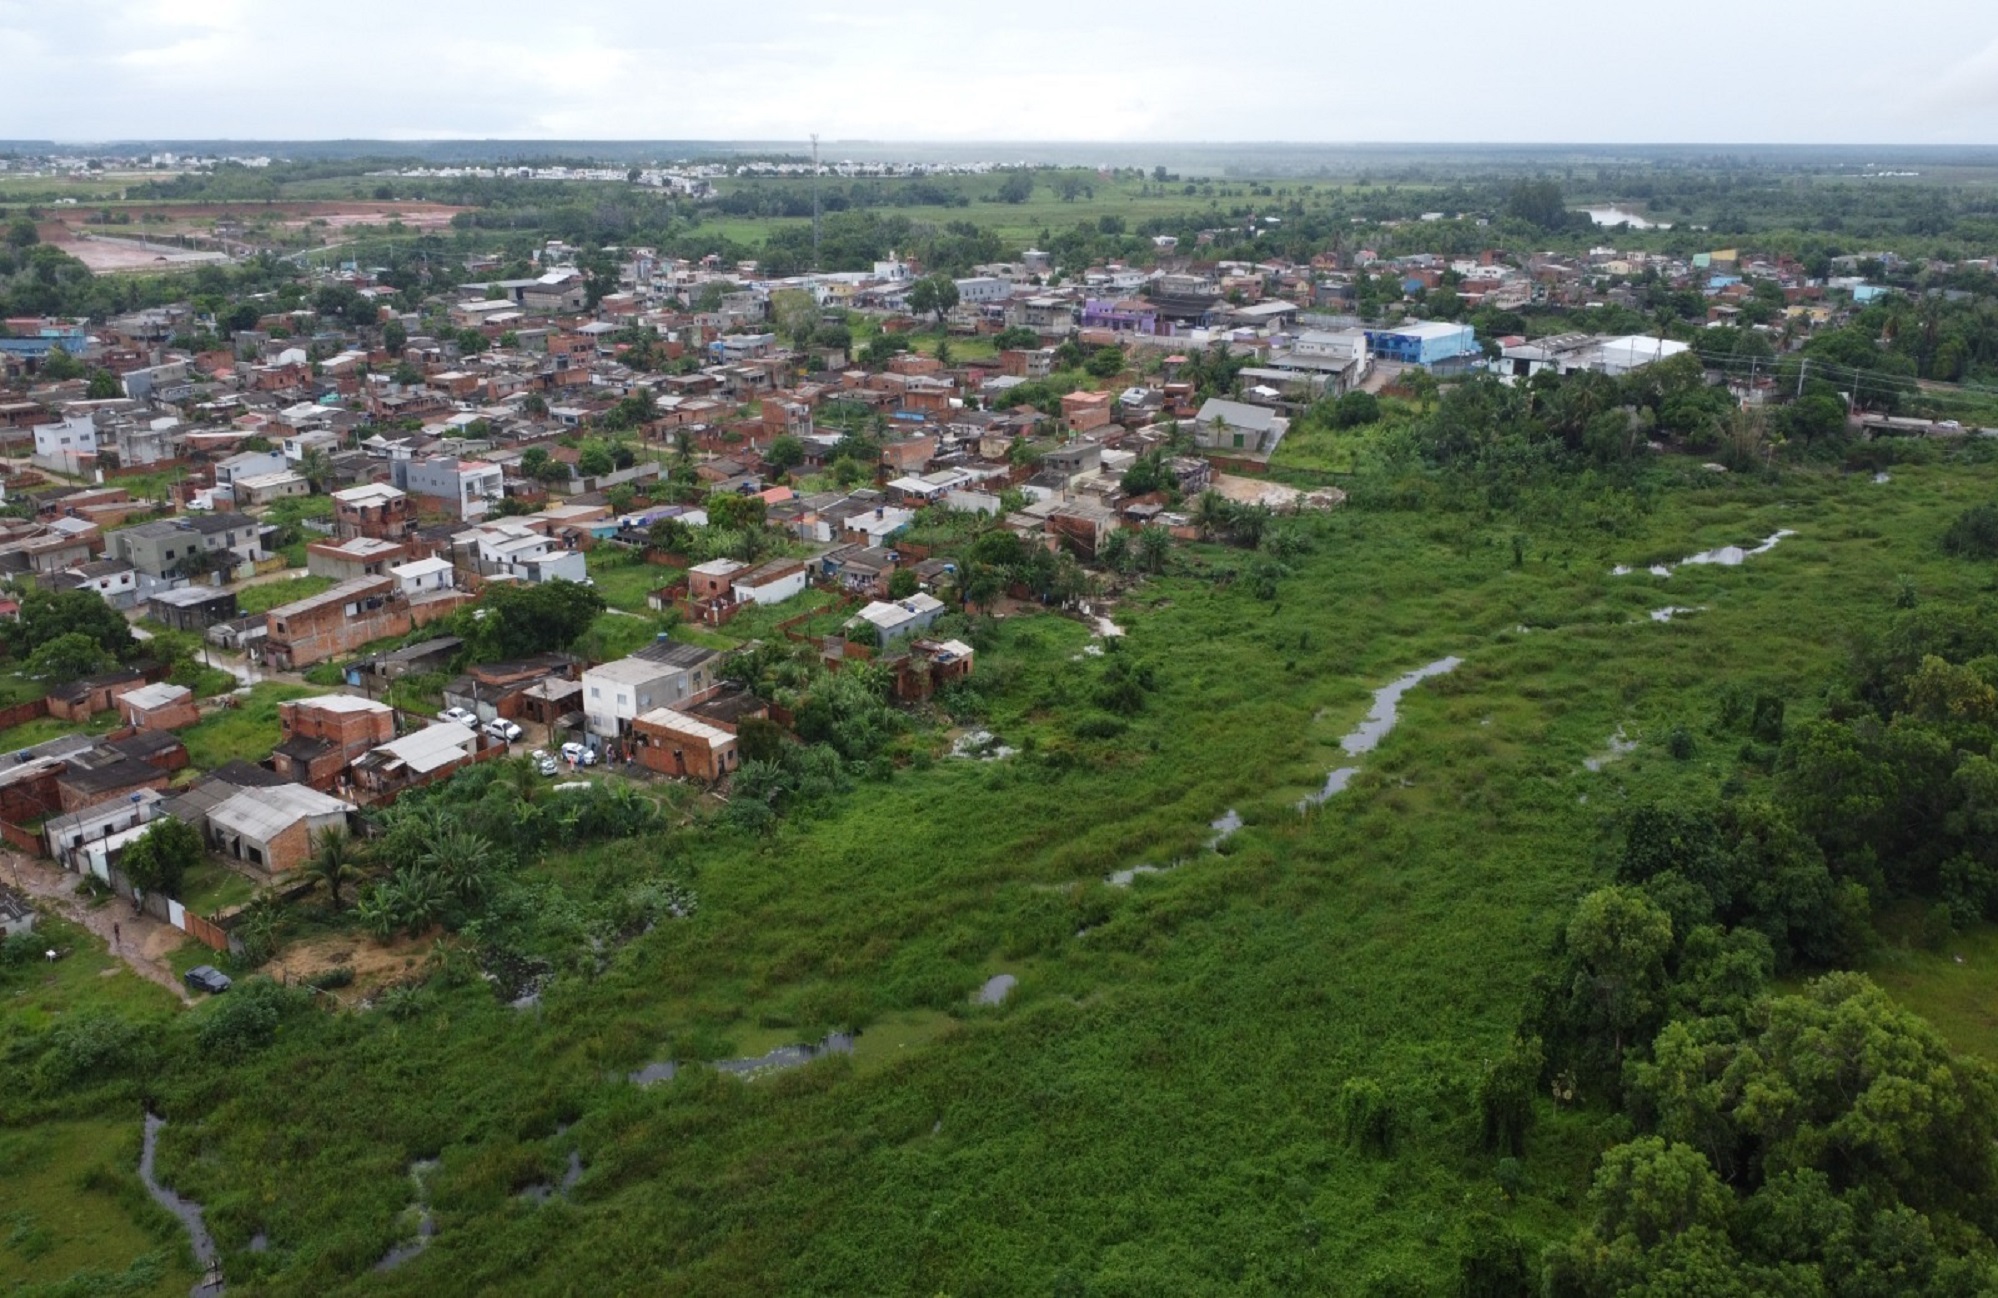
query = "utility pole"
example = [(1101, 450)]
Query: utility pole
[(1802, 370), (815, 200)]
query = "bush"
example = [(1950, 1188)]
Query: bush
[(245, 1019), (1974, 534), (1367, 1116)]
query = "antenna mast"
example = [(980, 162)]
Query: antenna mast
[(815, 201)]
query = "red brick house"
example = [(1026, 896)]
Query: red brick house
[(323, 736), (673, 743)]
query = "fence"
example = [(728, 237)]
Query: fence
[(22, 837), (20, 712)]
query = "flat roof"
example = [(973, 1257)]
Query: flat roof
[(157, 696), (343, 703)]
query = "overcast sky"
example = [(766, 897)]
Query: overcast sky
[(1774, 71)]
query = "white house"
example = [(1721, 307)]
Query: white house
[(421, 575), (661, 675), (771, 583), (60, 447)]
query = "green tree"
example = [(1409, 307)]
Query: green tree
[(60, 367), (733, 512), (514, 620), (933, 295), (1619, 939), (68, 657), (594, 461), (785, 454), (1018, 187), (158, 860), (901, 584), (103, 386), (334, 862)]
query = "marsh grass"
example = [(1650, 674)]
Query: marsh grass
[(1157, 1107)]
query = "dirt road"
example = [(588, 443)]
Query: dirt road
[(142, 941)]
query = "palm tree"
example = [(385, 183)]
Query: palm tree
[(334, 861)]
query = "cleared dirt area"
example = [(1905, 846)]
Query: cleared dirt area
[(1274, 495), (374, 965), (144, 241)]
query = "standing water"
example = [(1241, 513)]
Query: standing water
[(187, 1210), (1379, 721)]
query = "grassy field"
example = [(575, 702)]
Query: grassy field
[(1153, 1110), (273, 594), (247, 732)]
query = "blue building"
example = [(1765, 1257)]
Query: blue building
[(1424, 342), (35, 339)]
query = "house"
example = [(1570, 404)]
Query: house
[(416, 759), (162, 549), (67, 447), (663, 674), (360, 556), (274, 828), (373, 509), (158, 707), (508, 689), (928, 666), (80, 700), (112, 580), (770, 583), (192, 608), (16, 915), (102, 774), (248, 464), (263, 488), (713, 579), (323, 736), (410, 660), (1084, 524), (461, 488), (334, 622), (886, 620), (674, 743), (1251, 432), (84, 840), (420, 575)]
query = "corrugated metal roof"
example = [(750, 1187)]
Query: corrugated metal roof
[(262, 814)]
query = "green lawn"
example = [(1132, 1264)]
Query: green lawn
[(74, 1217), (624, 580), (272, 594), (212, 886), (247, 732)]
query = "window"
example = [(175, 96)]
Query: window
[(596, 693)]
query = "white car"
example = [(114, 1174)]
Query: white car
[(575, 752), (543, 762), (458, 715), (501, 728)]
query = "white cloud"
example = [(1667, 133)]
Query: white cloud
[(1705, 70)]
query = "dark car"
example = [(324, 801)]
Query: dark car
[(207, 978)]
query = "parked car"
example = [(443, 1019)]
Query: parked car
[(458, 715), (207, 978), (544, 763), (501, 728), (575, 752)]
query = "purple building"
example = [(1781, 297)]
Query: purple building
[(1125, 315)]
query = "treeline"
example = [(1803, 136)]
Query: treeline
[(1820, 1142)]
